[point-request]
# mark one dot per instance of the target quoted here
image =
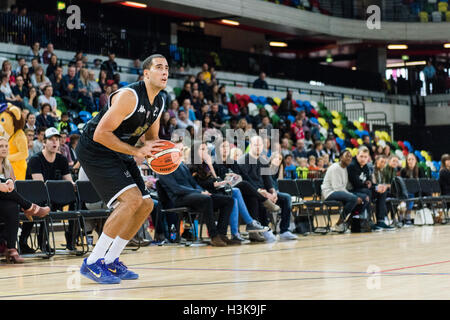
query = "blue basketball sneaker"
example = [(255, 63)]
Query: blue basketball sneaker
[(98, 272), (120, 270)]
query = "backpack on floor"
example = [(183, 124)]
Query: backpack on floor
[(423, 216), (302, 225)]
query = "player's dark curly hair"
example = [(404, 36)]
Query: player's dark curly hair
[(148, 61)]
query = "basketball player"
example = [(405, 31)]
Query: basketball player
[(105, 151)]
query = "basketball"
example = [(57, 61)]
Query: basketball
[(167, 160)]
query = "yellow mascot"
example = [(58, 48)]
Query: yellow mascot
[(11, 126)]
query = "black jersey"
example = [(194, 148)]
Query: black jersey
[(136, 123)]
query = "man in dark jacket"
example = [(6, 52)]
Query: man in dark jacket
[(184, 191), (253, 169)]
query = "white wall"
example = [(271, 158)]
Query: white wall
[(438, 116)]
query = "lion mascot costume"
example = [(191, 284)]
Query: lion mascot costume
[(11, 127)]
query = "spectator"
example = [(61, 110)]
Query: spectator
[(184, 191), (52, 65), (266, 125), (78, 56), (84, 90), (117, 80), (202, 85), (20, 62), (29, 133), (10, 201), (34, 65), (185, 93), (64, 148), (312, 163), (214, 95), (200, 114), (64, 124), (183, 121), (290, 170), (164, 126), (379, 150), (24, 72), (334, 188), (48, 53), (216, 117), (57, 81), (103, 100), (317, 151), (70, 89), (206, 122), (286, 148), (368, 145), (31, 101), (387, 151), (110, 66), (300, 151), (261, 83), (48, 164), (252, 169), (39, 80), (47, 97), (430, 76), (206, 74), (196, 103), (444, 175), (44, 119), (302, 169), (136, 69), (20, 90), (97, 64), (102, 79), (380, 192), (308, 125), (297, 130), (189, 109), (330, 149), (7, 68), (31, 122), (93, 85), (78, 66), (412, 169), (73, 142), (10, 97), (361, 181), (38, 144), (35, 52), (286, 105)]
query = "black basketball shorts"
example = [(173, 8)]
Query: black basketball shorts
[(110, 173)]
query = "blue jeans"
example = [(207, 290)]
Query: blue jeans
[(238, 208), (350, 201), (364, 193), (285, 203)]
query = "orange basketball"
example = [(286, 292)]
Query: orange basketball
[(167, 160)]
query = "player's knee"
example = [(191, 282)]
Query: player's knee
[(132, 199), (148, 204)]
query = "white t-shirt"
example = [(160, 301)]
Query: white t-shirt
[(336, 179), (6, 89), (43, 99)]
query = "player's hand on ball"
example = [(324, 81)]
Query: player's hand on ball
[(149, 148)]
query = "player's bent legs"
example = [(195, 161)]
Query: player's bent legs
[(138, 220)]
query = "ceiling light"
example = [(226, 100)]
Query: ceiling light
[(407, 64), (134, 4), (353, 68), (447, 45), (230, 22), (278, 44), (397, 47)]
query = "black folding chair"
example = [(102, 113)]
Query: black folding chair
[(444, 200), (306, 190), (88, 195), (35, 192), (290, 187), (333, 207), (62, 193), (167, 206)]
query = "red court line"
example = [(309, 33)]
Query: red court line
[(417, 266)]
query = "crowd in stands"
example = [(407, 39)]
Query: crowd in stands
[(50, 101)]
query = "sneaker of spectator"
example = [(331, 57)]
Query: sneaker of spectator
[(256, 237), (255, 226), (287, 235), (237, 238), (269, 236)]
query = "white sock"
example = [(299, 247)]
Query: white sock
[(116, 249), (100, 248)]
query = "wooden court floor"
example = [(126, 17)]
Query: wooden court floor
[(411, 263)]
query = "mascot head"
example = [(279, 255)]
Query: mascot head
[(11, 120)]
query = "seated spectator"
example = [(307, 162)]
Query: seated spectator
[(334, 188), (173, 108), (320, 165), (48, 164), (44, 119), (29, 133), (286, 105), (187, 106), (10, 201), (103, 100), (330, 149), (47, 54), (378, 150), (38, 79), (20, 90), (444, 175), (299, 151), (361, 181), (38, 144), (290, 170), (136, 69), (64, 124), (286, 148), (116, 80), (164, 126), (200, 114), (52, 65), (73, 142), (380, 191), (387, 151), (97, 64), (213, 94), (261, 83), (308, 125), (302, 169), (206, 74), (368, 145), (256, 173), (206, 122), (57, 81), (266, 125), (182, 188), (326, 161), (84, 90), (47, 97), (31, 122), (183, 122), (7, 69), (64, 148), (317, 151), (110, 66), (70, 92), (93, 85), (35, 52), (185, 93), (31, 101), (276, 168), (24, 72), (102, 79), (216, 117), (297, 130), (10, 97), (20, 62)]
